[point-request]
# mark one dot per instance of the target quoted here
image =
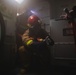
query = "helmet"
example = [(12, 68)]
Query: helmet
[(33, 19), (74, 8)]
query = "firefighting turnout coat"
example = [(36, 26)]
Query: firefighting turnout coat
[(33, 34), (41, 51)]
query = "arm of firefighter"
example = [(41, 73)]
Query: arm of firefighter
[(46, 36), (26, 39), (25, 36)]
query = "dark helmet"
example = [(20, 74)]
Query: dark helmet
[(66, 10), (74, 8), (33, 20)]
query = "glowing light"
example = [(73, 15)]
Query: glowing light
[(18, 14), (32, 12), (19, 1)]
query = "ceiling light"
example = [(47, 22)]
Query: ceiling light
[(19, 1)]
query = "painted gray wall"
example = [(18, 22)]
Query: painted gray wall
[(57, 31), (64, 45)]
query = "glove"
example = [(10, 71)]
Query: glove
[(39, 39)]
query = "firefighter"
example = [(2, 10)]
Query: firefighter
[(35, 34), (71, 17), (73, 21)]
